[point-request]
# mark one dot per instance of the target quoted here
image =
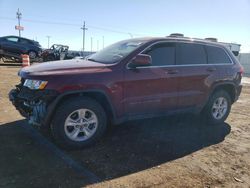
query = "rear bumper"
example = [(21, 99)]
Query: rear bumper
[(238, 92)]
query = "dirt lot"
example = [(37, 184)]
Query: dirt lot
[(178, 151)]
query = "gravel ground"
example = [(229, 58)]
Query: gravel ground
[(177, 151)]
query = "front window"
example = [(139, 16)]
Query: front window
[(115, 52)]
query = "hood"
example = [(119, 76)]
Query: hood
[(62, 67)]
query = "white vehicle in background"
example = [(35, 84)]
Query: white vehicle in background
[(235, 48)]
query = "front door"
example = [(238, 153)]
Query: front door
[(152, 89)]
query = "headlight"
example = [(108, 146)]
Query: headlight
[(35, 84)]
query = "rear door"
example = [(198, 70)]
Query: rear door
[(152, 89), (195, 74)]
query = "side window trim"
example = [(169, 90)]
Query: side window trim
[(191, 65)]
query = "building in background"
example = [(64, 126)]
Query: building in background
[(244, 59)]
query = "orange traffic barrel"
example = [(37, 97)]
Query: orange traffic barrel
[(25, 60)]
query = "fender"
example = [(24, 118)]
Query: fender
[(213, 88), (52, 106)]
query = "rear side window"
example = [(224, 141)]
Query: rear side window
[(191, 54), (217, 55), (162, 54), (12, 39)]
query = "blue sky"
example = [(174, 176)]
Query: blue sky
[(114, 20)]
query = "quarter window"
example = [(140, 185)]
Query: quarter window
[(162, 54), (217, 55), (188, 54)]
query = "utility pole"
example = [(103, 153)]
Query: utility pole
[(83, 35), (19, 16), (91, 44), (102, 42), (48, 40)]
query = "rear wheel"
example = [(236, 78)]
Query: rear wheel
[(218, 107), (78, 123), (32, 55)]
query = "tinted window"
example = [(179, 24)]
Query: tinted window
[(217, 55), (23, 41), (188, 54), (162, 54)]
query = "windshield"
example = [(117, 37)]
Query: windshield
[(116, 52)]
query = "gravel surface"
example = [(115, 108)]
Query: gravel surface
[(177, 151)]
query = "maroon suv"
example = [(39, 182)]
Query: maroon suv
[(131, 79)]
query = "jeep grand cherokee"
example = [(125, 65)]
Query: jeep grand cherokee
[(131, 79)]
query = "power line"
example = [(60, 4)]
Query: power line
[(77, 25)]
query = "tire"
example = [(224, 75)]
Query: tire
[(218, 107), (75, 115), (32, 54), (49, 58)]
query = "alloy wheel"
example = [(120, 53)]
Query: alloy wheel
[(81, 125)]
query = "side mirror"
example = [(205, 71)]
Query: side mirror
[(141, 60)]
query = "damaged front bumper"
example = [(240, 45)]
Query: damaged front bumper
[(32, 104)]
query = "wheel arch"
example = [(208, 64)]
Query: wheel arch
[(98, 95), (229, 87)]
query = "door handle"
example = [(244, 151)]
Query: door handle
[(172, 71), (211, 69)]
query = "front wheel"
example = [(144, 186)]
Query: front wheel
[(218, 107), (78, 123)]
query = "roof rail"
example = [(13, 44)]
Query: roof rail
[(211, 39), (176, 35)]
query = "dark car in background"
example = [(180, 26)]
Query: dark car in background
[(13, 47)]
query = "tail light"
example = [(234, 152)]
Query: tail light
[(241, 70), (239, 75)]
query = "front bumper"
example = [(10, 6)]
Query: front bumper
[(32, 104)]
